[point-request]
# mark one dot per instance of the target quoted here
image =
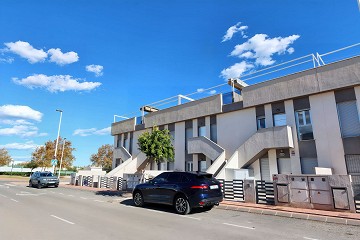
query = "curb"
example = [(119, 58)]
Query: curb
[(304, 216)]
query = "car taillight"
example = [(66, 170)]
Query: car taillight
[(200, 187)]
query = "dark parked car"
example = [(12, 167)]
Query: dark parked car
[(43, 179), (183, 190)]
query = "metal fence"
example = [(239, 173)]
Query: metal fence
[(265, 193), (87, 181), (233, 190)]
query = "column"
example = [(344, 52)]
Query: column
[(294, 152)]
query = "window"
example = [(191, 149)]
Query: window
[(161, 178), (188, 134), (308, 165), (189, 166), (303, 124), (349, 119), (279, 119), (126, 141), (174, 177), (118, 140), (202, 162), (202, 131), (260, 122)]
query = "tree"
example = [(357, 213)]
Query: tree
[(103, 158), (43, 155), (5, 158), (156, 145)]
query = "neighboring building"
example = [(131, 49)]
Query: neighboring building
[(287, 125)]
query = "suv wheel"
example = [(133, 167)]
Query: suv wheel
[(138, 199), (181, 205), (39, 185), (30, 184)]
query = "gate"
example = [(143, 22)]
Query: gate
[(233, 190), (353, 169), (120, 183), (265, 193), (87, 181), (104, 182)]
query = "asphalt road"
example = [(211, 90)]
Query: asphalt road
[(63, 213)]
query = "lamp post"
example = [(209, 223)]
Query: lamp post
[(57, 139), (62, 155)]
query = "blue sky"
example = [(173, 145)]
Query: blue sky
[(94, 59)]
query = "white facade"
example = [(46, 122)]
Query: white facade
[(302, 128)]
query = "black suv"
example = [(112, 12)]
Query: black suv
[(183, 190)]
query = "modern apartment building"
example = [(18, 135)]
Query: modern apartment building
[(290, 124)]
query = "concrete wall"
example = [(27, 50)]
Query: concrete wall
[(190, 110), (179, 163), (123, 126), (329, 77), (326, 129), (234, 128), (290, 121)]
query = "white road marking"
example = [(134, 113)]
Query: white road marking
[(62, 219), (98, 201), (11, 185), (29, 194), (70, 195), (234, 225), (14, 200), (60, 193), (151, 210), (191, 217), (4, 186), (310, 238), (3, 196), (83, 198)]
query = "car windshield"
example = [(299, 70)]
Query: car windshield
[(46, 174)]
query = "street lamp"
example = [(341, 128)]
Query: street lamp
[(57, 139), (62, 155)]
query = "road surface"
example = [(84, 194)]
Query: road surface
[(63, 213)]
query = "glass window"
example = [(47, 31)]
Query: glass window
[(202, 131), (279, 119), (118, 140), (161, 178), (188, 134), (260, 122), (349, 119), (213, 133), (303, 124), (174, 177), (189, 166), (202, 166)]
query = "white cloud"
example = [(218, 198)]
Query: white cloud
[(261, 48), (236, 70), (20, 146), (97, 69), (25, 50), (60, 58), (15, 122), (19, 111), (200, 90), (56, 83), (234, 29), (22, 131), (212, 92), (92, 131), (6, 60)]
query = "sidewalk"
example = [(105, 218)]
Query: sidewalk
[(290, 212)]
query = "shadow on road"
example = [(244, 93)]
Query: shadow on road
[(109, 193), (160, 208)]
